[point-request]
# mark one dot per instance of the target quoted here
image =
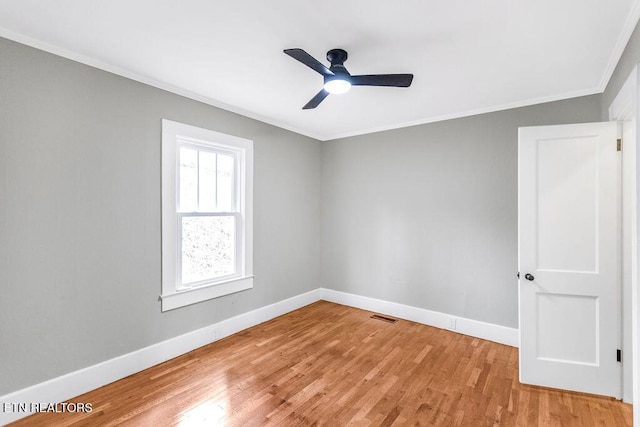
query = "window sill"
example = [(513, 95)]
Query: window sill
[(203, 293)]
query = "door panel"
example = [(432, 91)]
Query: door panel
[(568, 243), (567, 204)]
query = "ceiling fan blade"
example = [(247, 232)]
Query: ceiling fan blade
[(316, 100), (308, 60), (395, 80)]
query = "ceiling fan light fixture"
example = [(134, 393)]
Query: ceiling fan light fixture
[(337, 86)]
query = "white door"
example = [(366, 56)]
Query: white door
[(568, 254)]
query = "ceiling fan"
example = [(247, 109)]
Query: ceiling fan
[(338, 80)]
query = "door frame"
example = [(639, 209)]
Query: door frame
[(625, 107)]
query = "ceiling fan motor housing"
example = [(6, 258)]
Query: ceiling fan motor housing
[(337, 56)]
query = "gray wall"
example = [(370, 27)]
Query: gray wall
[(427, 215), (80, 215)]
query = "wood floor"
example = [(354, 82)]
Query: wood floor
[(328, 364)]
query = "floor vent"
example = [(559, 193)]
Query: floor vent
[(384, 318)]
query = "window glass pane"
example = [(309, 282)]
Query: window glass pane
[(225, 183), (188, 180), (207, 185), (208, 247)]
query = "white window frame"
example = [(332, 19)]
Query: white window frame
[(174, 136)]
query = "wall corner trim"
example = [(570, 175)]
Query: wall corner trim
[(83, 380), (474, 328)]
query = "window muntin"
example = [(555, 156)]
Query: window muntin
[(207, 179)]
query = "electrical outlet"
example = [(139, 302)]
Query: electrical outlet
[(452, 323)]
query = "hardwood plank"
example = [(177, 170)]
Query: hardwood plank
[(328, 364)]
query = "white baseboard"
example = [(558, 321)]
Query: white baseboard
[(81, 381), (474, 328)]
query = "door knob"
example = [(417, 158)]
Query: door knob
[(529, 276)]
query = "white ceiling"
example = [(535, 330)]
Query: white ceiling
[(467, 56)]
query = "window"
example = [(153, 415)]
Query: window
[(207, 226)]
